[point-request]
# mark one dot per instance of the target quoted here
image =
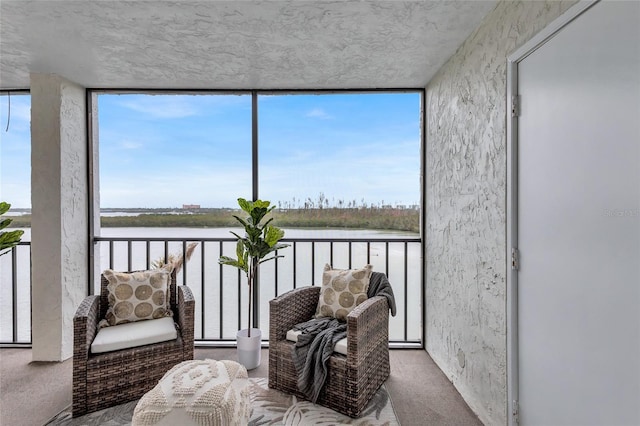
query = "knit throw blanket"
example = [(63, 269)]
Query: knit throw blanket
[(319, 336)]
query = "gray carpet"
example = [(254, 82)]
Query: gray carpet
[(270, 407), (32, 392)]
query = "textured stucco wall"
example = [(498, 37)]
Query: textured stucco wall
[(59, 213), (466, 206)]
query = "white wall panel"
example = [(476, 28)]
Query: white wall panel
[(579, 223)]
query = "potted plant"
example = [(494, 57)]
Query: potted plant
[(259, 241)]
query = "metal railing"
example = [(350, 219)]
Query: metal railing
[(221, 291), (15, 296)]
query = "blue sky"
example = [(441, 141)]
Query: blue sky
[(169, 150), (15, 150)]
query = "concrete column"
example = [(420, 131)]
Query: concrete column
[(59, 221), (94, 182)]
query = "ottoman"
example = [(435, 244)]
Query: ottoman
[(197, 392)]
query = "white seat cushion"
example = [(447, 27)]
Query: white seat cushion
[(340, 347), (134, 334)]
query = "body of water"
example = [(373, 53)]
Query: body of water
[(221, 292)]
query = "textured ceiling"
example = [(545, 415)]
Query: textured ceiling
[(233, 44)]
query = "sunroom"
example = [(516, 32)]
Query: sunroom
[(496, 86)]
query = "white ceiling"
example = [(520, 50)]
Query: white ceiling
[(252, 44)]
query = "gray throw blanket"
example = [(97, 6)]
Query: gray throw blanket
[(319, 336)]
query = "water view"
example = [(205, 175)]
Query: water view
[(220, 291), (165, 172)]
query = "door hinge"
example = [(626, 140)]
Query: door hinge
[(515, 106), (515, 258), (515, 412)]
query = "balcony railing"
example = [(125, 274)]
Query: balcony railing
[(221, 291), (15, 295)]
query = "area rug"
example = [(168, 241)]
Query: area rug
[(270, 407)]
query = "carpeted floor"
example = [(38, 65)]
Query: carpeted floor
[(31, 393), (270, 407)]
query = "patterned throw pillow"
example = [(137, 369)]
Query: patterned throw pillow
[(137, 296), (342, 290)]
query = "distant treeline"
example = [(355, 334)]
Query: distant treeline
[(392, 219), (395, 219)]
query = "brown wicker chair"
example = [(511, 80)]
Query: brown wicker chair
[(106, 379), (353, 379)]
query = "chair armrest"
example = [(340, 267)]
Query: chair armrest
[(290, 308), (85, 326), (367, 327), (185, 313)]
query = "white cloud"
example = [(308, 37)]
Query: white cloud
[(164, 107), (207, 187), (373, 172), (319, 113), (18, 116), (168, 106), (21, 111), (130, 144), (394, 180), (18, 193)]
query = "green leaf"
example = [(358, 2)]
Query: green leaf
[(253, 234), (240, 252), (242, 221), (11, 236), (256, 209), (10, 239), (271, 258), (280, 246), (261, 204), (224, 260), (261, 249), (236, 235), (242, 262), (272, 235), (257, 213), (267, 223), (245, 205), (5, 222)]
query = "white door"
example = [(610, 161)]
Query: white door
[(579, 222)]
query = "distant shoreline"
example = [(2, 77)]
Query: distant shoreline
[(378, 218)]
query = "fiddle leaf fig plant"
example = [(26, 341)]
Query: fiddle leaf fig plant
[(259, 241), (8, 239)]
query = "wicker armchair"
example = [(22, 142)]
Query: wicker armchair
[(352, 379), (106, 379)]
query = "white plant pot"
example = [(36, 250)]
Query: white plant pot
[(249, 348)]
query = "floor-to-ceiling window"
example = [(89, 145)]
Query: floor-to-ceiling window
[(343, 169), (346, 165)]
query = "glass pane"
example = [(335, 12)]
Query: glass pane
[(354, 155), (15, 189), (345, 167), (170, 165), (15, 150), (173, 150)]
